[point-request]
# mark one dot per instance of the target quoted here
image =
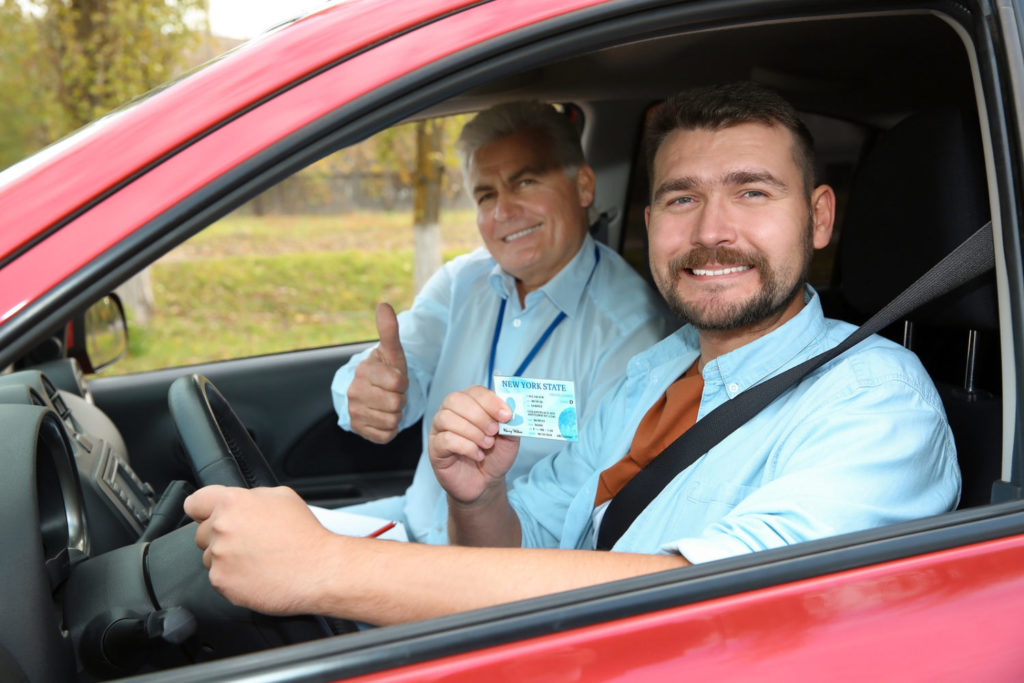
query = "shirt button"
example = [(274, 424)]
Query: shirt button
[(733, 388), (517, 323)]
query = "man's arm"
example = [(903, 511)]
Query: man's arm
[(267, 552)]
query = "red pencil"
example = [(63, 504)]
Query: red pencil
[(378, 532)]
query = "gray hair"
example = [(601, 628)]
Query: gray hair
[(502, 120)]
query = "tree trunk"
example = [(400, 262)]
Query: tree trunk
[(137, 296), (427, 202)]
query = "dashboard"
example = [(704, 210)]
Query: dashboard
[(101, 577), (117, 503)]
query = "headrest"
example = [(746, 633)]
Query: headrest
[(919, 192)]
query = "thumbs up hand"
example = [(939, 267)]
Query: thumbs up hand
[(389, 350), (376, 396)]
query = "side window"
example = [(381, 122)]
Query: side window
[(303, 264)]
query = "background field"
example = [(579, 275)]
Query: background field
[(251, 285)]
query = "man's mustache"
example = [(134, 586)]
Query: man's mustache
[(702, 257)]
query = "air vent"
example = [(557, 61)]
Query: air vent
[(55, 398), (48, 386)]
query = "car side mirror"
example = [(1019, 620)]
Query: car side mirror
[(99, 336)]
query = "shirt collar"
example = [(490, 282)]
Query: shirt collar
[(749, 364), (565, 290), (768, 355)]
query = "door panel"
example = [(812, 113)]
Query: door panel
[(285, 402)]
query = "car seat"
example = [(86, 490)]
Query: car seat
[(918, 193)]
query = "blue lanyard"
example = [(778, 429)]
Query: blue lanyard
[(533, 352), (540, 342)]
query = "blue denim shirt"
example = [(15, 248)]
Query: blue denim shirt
[(611, 314), (862, 441)]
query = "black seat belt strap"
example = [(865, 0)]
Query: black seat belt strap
[(972, 258)]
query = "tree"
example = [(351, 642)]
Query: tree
[(423, 154), (22, 101), (64, 63), (103, 53), (419, 155), (426, 212)]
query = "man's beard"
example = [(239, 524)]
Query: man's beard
[(776, 292)]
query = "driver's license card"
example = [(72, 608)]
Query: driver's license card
[(545, 408)]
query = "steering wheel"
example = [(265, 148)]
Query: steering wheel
[(219, 447), (221, 451)]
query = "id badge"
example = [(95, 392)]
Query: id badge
[(542, 408)]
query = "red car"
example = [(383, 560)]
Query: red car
[(917, 110)]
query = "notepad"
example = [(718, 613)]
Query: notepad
[(351, 524)]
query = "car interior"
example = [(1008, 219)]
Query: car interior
[(900, 109)]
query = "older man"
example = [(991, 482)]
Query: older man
[(733, 220), (541, 299)]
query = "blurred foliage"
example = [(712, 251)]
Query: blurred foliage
[(396, 150), (378, 173), (23, 107), (64, 63)]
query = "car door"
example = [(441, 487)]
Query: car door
[(284, 400)]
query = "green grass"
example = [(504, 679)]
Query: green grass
[(255, 285)]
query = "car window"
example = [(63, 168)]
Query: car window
[(304, 263)]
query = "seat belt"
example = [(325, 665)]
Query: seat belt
[(972, 258)]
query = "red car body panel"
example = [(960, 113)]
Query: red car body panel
[(836, 627), (45, 195)]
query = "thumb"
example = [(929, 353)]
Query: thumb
[(390, 345)]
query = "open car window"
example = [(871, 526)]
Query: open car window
[(303, 264)]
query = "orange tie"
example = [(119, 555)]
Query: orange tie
[(668, 418)]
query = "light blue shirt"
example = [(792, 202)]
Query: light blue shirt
[(862, 441), (611, 314)]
